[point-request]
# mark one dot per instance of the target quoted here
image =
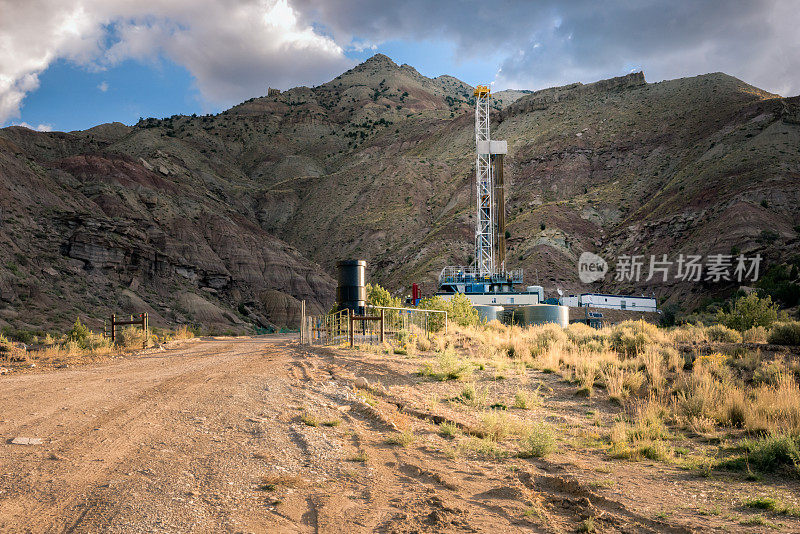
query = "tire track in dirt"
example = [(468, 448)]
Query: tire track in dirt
[(185, 438), (107, 437), (568, 502)]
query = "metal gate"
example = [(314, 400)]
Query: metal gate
[(379, 324)]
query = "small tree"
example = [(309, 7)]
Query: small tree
[(459, 308), (462, 311), (79, 333), (379, 296), (749, 311)]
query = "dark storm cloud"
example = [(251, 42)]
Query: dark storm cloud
[(549, 43)]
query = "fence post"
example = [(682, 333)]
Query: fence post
[(113, 327), (350, 325), (382, 328), (144, 330), (302, 320)]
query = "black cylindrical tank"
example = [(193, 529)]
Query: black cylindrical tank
[(352, 291)]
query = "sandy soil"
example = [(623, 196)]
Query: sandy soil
[(209, 437)]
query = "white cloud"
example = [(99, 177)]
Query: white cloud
[(233, 48), (103, 86), (39, 128), (563, 41)]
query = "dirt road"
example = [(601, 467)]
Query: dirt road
[(261, 435)]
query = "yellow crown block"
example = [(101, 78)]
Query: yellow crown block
[(481, 90)]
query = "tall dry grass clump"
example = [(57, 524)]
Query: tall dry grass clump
[(698, 394), (631, 338), (132, 337), (757, 334), (652, 359), (785, 334), (689, 333), (722, 334), (614, 381), (542, 337), (643, 369), (775, 407), (181, 333)]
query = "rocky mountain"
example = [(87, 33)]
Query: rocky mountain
[(230, 220)]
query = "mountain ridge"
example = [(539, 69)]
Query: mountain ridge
[(229, 220)]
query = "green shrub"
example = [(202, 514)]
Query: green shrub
[(785, 334), (723, 334), (773, 505), (774, 452), (525, 400), (749, 311), (459, 310), (630, 338), (79, 333), (537, 441), (403, 439), (378, 296), (448, 367), (449, 430)]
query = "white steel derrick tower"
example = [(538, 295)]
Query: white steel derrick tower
[(488, 276), (484, 231)]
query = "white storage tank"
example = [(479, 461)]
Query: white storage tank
[(539, 290), (542, 314), (489, 313)]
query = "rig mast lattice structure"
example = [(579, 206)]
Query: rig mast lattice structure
[(484, 231)]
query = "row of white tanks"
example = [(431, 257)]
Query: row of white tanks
[(535, 314)]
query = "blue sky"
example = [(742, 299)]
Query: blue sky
[(156, 58), (71, 98), (70, 95)]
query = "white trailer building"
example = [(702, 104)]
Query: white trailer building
[(614, 302), (573, 301)]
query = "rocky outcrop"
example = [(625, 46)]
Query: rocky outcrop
[(146, 244), (790, 110), (543, 98)]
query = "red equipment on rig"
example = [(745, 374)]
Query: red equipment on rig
[(416, 294)]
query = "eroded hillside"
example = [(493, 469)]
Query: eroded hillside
[(233, 219)]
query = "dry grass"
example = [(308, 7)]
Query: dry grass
[(526, 399), (495, 425), (655, 367), (448, 366), (181, 333), (644, 369), (775, 407), (536, 441), (757, 334), (403, 439), (689, 334), (91, 347)]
